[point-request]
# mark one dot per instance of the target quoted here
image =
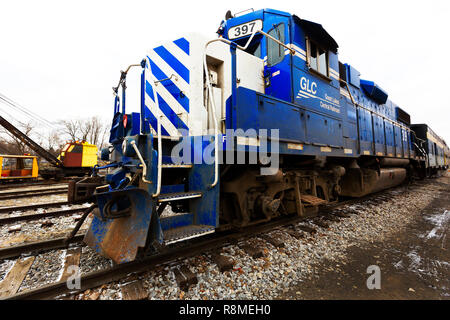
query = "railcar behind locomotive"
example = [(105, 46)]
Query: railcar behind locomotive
[(270, 92)]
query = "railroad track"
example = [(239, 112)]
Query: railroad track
[(31, 193), (38, 216), (38, 247), (33, 207), (117, 272), (170, 254), (29, 184), (330, 213)]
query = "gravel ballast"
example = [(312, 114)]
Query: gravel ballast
[(268, 277), (271, 276)]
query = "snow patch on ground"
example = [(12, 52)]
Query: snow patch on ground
[(440, 222), (415, 260)]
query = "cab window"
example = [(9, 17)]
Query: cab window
[(317, 58), (254, 49), (275, 52), (28, 163), (9, 164)]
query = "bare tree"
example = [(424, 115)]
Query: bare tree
[(92, 130), (16, 146), (71, 128), (54, 142), (105, 132)]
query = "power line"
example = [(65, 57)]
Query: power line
[(24, 110)]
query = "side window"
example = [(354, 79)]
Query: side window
[(317, 58), (77, 149), (275, 52), (255, 49), (28, 163)]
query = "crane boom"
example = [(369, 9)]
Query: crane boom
[(30, 143)]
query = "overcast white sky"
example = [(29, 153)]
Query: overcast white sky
[(61, 58)]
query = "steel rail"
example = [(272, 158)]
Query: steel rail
[(38, 216), (12, 185), (35, 193), (37, 247), (33, 206), (19, 192)]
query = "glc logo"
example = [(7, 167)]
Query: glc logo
[(310, 87)]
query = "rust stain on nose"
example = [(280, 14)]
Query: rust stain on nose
[(120, 239)]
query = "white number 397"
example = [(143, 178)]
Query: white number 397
[(244, 29)]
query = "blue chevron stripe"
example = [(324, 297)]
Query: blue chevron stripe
[(154, 124), (148, 115), (149, 90), (170, 86), (173, 62), (172, 116), (183, 44)]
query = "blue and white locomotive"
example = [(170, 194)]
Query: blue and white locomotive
[(263, 121)]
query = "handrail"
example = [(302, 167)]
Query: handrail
[(144, 171), (236, 14), (171, 76), (123, 75), (133, 143), (158, 117), (211, 100)]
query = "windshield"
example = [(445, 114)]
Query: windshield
[(255, 46)]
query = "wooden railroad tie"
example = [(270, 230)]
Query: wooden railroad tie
[(307, 229), (253, 252), (277, 243), (352, 211), (331, 217), (13, 280), (185, 278), (321, 224), (297, 235), (134, 291), (46, 223), (72, 259), (223, 262), (341, 214), (15, 228)]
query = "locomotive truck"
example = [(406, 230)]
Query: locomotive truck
[(263, 121)]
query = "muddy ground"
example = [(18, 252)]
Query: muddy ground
[(413, 264)]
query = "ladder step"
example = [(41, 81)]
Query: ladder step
[(315, 201), (174, 166), (179, 196), (186, 232)]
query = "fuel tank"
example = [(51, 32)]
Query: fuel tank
[(359, 182)]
